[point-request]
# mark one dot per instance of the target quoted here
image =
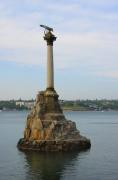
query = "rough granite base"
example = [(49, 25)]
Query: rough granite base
[(52, 145), (47, 129)]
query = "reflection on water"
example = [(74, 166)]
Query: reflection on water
[(49, 166)]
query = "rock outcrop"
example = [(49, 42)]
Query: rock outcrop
[(47, 128)]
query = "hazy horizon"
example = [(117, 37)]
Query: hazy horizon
[(60, 99)]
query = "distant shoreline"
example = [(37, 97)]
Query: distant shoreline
[(77, 105), (77, 109), (64, 109)]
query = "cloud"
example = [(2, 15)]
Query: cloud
[(87, 36), (111, 74)]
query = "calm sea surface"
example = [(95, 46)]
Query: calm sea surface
[(99, 163)]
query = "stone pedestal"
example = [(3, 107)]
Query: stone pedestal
[(47, 128)]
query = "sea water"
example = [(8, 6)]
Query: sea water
[(98, 163)]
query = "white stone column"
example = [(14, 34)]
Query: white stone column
[(50, 38), (50, 67)]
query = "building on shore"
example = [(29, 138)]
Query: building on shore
[(27, 104)]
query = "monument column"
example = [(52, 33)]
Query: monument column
[(49, 37), (47, 129)]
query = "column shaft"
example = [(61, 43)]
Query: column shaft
[(50, 68)]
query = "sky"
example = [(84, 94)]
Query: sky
[(85, 52)]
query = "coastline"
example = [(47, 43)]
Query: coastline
[(64, 109)]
